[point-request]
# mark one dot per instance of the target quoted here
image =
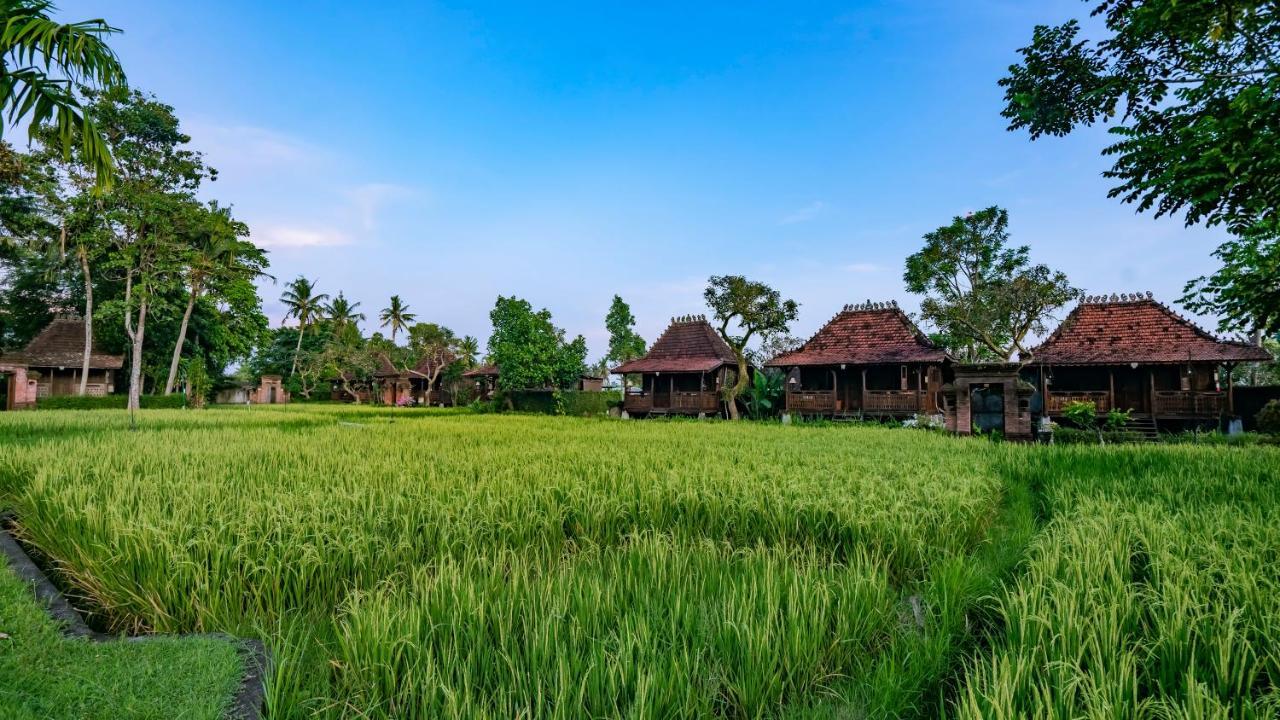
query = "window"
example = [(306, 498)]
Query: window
[(903, 374)]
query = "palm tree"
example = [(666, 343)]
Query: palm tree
[(467, 351), (396, 316), (33, 45), (305, 304), (343, 313)]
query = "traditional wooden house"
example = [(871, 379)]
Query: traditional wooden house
[(55, 360), (485, 378), (868, 360), (393, 384), (683, 373), (424, 388), (1133, 353), (396, 386)]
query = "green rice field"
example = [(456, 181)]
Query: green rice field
[(423, 564)]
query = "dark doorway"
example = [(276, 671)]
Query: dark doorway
[(271, 395), (1131, 389), (661, 392), (986, 408), (4, 392)]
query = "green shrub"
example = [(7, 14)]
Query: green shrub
[(564, 402), (1075, 436), (110, 402), (1269, 418), (1215, 437)]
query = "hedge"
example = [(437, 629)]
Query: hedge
[(110, 402), (1076, 436), (564, 402)]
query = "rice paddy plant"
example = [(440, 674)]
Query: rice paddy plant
[(653, 628), (425, 564), (411, 564), (1154, 591)]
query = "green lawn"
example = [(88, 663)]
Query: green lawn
[(422, 564), (46, 676)]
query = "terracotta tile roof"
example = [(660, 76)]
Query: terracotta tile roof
[(482, 371), (425, 366), (385, 368), (1134, 328), (865, 334), (61, 344), (689, 345)]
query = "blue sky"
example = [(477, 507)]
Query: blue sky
[(566, 152)]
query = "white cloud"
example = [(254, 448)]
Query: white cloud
[(285, 236), (804, 214), (368, 199), (246, 146), (862, 267)]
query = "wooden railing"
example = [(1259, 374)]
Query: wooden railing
[(811, 401), (1188, 403), (637, 402), (705, 401), (1056, 401), (877, 401)]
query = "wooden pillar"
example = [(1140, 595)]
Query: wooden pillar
[(1044, 390), (863, 397), (835, 389), (1151, 396), (1111, 380), (919, 391), (1231, 402)]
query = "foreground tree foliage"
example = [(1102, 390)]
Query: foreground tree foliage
[(984, 297), (1195, 86), (745, 309), (41, 62), (1245, 291)]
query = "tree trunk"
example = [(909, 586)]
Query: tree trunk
[(135, 369), (88, 320), (182, 339), (301, 329), (355, 396), (739, 385)]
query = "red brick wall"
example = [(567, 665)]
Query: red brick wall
[(22, 391)]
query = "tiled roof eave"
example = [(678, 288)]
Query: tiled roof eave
[(815, 361), (96, 362)]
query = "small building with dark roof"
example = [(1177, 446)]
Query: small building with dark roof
[(1131, 352), (683, 373), (55, 359), (415, 385), (870, 359), (485, 378)]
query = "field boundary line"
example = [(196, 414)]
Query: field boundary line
[(248, 701)]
